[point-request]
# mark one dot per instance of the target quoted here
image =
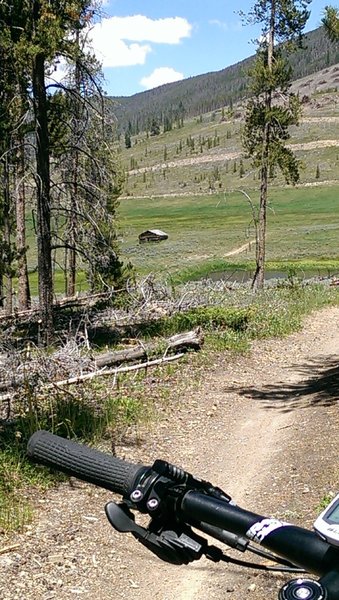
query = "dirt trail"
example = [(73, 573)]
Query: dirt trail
[(262, 426), (245, 247)]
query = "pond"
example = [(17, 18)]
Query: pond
[(244, 276)]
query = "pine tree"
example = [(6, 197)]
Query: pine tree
[(128, 141), (7, 125), (267, 122), (241, 169), (155, 127), (331, 22), (69, 133)]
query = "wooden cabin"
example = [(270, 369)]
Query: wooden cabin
[(152, 235)]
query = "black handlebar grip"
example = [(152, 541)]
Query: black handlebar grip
[(83, 462)]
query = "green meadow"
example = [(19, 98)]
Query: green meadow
[(303, 230)]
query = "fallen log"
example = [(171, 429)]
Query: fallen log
[(171, 348), (70, 302), (120, 356), (100, 373), (78, 301), (189, 340)]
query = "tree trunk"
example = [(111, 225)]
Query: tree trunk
[(24, 298), (71, 268), (259, 275), (7, 239), (73, 225), (43, 199), (189, 340)]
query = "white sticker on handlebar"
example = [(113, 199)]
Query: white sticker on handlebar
[(263, 528)]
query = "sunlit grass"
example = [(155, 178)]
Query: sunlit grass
[(303, 228)]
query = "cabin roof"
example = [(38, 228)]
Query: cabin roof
[(154, 231)]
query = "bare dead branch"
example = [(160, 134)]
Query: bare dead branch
[(114, 372)]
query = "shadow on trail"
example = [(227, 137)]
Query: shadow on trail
[(318, 385)]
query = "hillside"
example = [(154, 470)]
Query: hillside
[(208, 92), (205, 154)]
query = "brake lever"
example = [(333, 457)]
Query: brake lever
[(176, 544), (122, 519)]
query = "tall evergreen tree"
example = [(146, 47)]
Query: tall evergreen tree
[(128, 141), (34, 34), (155, 127), (267, 121), (47, 34), (331, 22), (8, 124)]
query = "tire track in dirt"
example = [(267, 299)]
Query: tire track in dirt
[(242, 458)]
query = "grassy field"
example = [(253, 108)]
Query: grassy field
[(303, 227)]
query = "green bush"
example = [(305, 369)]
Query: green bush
[(209, 318)]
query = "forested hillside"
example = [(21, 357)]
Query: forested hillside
[(169, 103)]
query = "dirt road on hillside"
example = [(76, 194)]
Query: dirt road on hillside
[(221, 156), (263, 426)]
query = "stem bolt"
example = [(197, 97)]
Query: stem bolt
[(152, 504)]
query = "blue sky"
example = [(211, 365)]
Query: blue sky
[(143, 44)]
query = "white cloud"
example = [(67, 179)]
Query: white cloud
[(57, 72), (220, 24), (232, 26), (117, 40), (117, 53), (160, 76)]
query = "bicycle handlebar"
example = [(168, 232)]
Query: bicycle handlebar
[(300, 546), (165, 491), (83, 462)]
